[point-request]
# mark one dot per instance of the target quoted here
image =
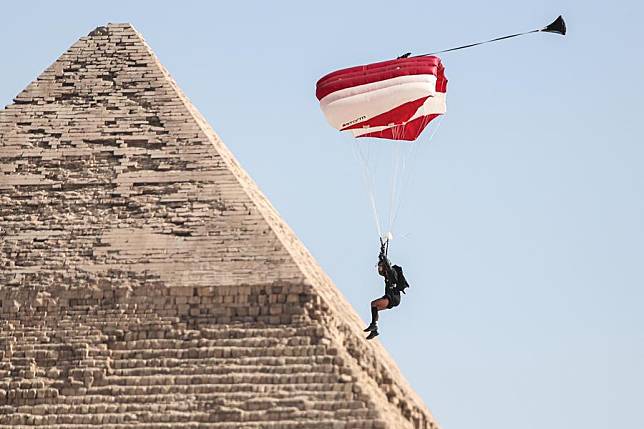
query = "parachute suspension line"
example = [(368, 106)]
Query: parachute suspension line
[(398, 172), (402, 182), (369, 181), (407, 180), (372, 166), (393, 194), (399, 162), (369, 173)]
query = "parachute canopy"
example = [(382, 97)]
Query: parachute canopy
[(393, 99)]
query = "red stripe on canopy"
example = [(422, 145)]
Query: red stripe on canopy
[(395, 116), (376, 72), (408, 131)]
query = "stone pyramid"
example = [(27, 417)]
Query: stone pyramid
[(146, 282)]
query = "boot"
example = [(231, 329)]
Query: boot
[(372, 327), (373, 334), (374, 320)]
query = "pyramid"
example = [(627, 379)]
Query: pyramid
[(146, 282)]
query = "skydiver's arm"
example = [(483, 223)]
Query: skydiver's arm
[(389, 272)]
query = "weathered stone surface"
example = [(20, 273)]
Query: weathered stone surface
[(146, 282)]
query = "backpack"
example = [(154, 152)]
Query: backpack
[(401, 282)]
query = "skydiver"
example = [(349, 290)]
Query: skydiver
[(395, 283)]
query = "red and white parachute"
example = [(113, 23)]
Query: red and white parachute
[(393, 99)]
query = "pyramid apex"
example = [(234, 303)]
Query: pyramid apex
[(104, 30)]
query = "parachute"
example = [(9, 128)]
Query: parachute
[(393, 99)]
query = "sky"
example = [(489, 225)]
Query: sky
[(522, 226)]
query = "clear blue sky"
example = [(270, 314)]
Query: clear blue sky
[(524, 221)]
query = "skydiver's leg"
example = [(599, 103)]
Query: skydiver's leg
[(376, 306)]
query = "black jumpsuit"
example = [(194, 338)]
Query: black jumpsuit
[(391, 291)]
